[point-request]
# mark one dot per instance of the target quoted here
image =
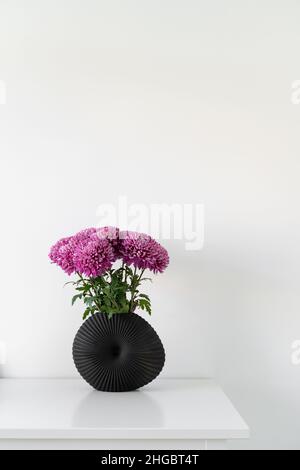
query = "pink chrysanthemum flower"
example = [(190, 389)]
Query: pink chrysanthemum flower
[(143, 252), (94, 258), (62, 254), (111, 234), (85, 236), (85, 253), (92, 252)]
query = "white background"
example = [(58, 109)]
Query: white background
[(162, 101)]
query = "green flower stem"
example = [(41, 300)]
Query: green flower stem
[(142, 274), (133, 289), (123, 272), (90, 291), (134, 285), (111, 293)]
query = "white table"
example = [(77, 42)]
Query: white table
[(68, 414)]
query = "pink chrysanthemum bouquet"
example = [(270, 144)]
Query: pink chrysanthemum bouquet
[(91, 255)]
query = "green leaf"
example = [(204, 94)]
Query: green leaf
[(86, 313), (83, 289), (129, 271), (121, 289), (144, 296), (75, 298), (148, 308), (89, 301), (145, 304), (68, 283)]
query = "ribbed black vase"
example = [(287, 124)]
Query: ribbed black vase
[(120, 354)]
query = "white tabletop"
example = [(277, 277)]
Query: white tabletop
[(70, 409)]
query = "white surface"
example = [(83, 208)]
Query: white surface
[(113, 444), (2, 353), (69, 409), (162, 101)]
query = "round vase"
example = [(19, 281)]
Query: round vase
[(119, 354)]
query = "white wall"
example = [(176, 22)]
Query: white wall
[(162, 101)]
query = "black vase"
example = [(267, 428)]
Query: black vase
[(120, 354)]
